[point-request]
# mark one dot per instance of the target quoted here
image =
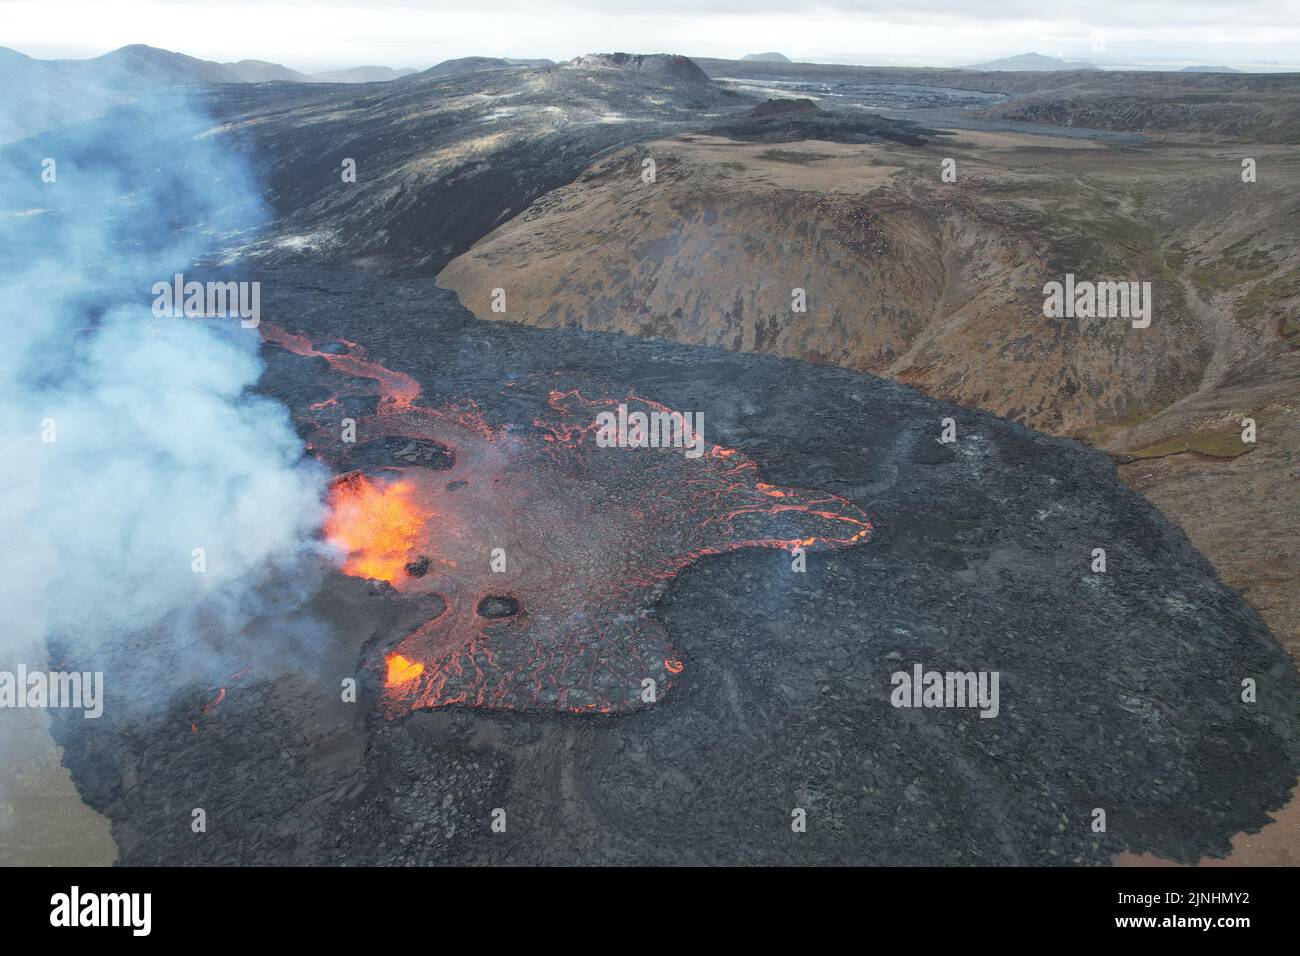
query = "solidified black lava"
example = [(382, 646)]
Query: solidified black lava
[(393, 450), (1119, 691), (382, 222), (359, 404), (494, 606), (786, 121), (784, 108)]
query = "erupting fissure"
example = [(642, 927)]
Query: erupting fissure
[(375, 524), (401, 671), (578, 536)]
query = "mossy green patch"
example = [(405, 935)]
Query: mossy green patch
[(1100, 434), (793, 156), (1215, 443)]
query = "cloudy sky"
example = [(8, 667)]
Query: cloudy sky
[(418, 33)]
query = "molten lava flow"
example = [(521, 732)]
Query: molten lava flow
[(401, 671), (399, 390), (375, 524), (576, 539), (215, 702), (221, 695)]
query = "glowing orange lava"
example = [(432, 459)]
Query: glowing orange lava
[(592, 535), (401, 671), (375, 524)]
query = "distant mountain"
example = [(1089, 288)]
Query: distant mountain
[(44, 94), (40, 96), (362, 74), (259, 71), (139, 65), (767, 57), (670, 65), (465, 65), (1208, 69), (1032, 62)]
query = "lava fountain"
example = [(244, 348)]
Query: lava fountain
[(375, 524), (547, 551)]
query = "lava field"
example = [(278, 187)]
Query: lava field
[(518, 695), (591, 533)]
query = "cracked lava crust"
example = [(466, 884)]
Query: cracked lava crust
[(544, 549)]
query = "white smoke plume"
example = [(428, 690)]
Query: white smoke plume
[(127, 441)]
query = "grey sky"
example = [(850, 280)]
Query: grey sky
[(334, 33)]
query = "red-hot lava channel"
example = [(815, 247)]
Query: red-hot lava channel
[(546, 548), (213, 704)]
